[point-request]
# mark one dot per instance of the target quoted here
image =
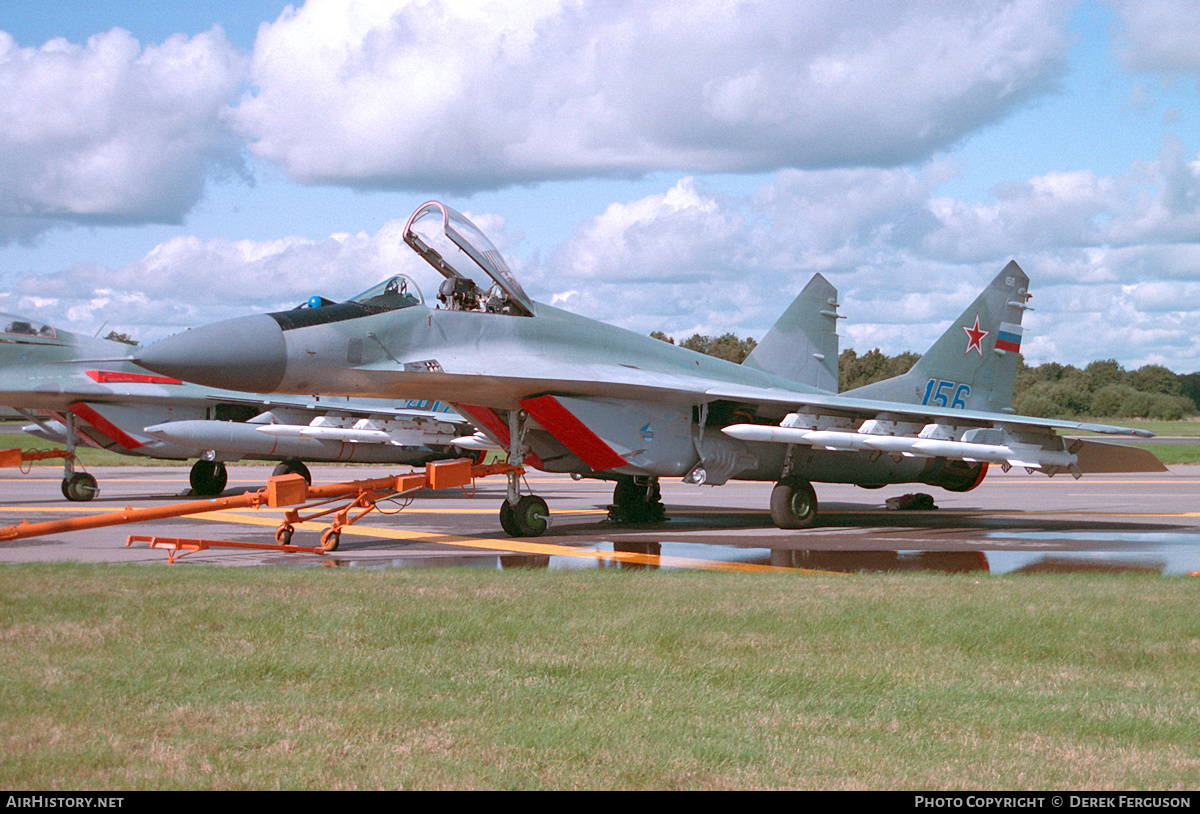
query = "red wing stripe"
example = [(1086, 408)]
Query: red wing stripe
[(573, 433), (487, 418), (114, 377), (105, 426)]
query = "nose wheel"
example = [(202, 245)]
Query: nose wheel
[(530, 517), (79, 486)]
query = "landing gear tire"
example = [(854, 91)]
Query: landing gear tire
[(637, 501), (793, 504), (529, 518), (331, 539), (80, 486), (508, 520), (208, 478), (293, 466)]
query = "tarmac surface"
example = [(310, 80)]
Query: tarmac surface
[(1143, 523)]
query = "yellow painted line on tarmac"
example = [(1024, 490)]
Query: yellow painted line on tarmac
[(507, 544)]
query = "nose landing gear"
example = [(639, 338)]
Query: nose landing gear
[(521, 515)]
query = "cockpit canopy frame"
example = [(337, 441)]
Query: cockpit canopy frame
[(461, 291), (12, 325)]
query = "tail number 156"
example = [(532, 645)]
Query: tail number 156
[(946, 394)]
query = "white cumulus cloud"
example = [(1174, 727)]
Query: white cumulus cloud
[(111, 131), (467, 96)]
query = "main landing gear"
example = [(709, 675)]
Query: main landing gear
[(793, 503), (293, 466), (208, 478), (637, 500)]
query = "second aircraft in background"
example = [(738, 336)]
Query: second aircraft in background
[(81, 390)]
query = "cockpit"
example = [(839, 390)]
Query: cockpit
[(477, 278), (398, 291), (13, 328)]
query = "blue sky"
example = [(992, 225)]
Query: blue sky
[(663, 165)]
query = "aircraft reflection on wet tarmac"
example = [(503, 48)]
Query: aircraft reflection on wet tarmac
[(651, 556), (854, 539)]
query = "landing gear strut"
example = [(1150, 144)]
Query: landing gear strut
[(793, 503), (208, 478), (637, 500), (76, 486), (521, 515)]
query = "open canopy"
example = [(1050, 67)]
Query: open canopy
[(461, 261)]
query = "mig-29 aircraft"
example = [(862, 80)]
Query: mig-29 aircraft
[(81, 389), (564, 393)]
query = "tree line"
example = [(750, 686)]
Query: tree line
[(1050, 390)]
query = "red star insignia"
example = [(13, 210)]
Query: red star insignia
[(975, 337)]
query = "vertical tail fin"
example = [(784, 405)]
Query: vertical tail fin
[(803, 344), (973, 365)]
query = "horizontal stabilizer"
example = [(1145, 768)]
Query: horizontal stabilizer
[(1098, 457)]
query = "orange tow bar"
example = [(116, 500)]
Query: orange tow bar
[(285, 490), (16, 457)]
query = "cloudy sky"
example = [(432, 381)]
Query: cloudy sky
[(680, 166)]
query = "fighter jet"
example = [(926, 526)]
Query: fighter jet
[(77, 389), (564, 393)]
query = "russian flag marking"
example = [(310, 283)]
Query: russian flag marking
[(1008, 338)]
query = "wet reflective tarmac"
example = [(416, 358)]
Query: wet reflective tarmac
[(1013, 523)]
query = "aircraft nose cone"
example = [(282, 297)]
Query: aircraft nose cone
[(247, 353)]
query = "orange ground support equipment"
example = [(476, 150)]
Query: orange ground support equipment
[(16, 457), (174, 545), (347, 502)]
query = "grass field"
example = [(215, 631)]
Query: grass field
[(141, 677)]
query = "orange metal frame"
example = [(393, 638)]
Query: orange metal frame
[(16, 457), (281, 491), (174, 545)]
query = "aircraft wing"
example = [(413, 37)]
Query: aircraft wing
[(926, 413), (835, 422)]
